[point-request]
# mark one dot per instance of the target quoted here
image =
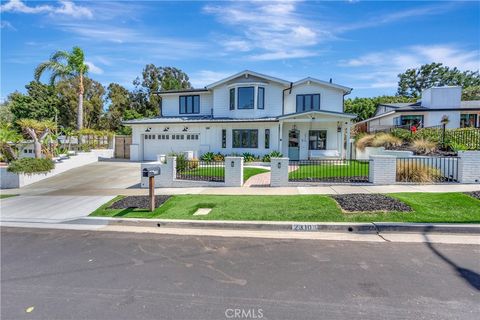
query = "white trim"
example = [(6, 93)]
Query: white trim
[(248, 72), (324, 83)]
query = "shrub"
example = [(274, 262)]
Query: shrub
[(386, 140), (403, 134), (457, 146), (249, 157), (408, 172), (31, 165), (207, 157), (218, 157), (365, 141), (183, 164), (273, 154), (423, 146)]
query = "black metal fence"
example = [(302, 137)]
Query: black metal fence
[(427, 170), (329, 170), (200, 170), (467, 138)]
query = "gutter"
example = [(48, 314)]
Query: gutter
[(283, 96)]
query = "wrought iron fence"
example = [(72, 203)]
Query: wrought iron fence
[(427, 169), (467, 138), (200, 170), (329, 170)]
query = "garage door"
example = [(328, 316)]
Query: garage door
[(155, 144)]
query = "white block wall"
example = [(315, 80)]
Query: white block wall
[(233, 171), (383, 169), (279, 172), (469, 166)]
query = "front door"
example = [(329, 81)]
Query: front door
[(294, 145)]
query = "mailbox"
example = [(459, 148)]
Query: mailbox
[(150, 172)]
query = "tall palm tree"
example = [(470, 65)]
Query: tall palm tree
[(65, 65)]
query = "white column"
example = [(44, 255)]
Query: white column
[(383, 170), (348, 141), (468, 166), (233, 171), (279, 172), (280, 137)]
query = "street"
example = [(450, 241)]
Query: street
[(68, 274)]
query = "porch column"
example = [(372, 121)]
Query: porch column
[(280, 134), (347, 156)]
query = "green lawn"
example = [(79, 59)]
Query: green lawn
[(330, 170), (220, 172), (428, 207), (4, 196)]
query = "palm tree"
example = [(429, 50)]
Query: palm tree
[(65, 65)]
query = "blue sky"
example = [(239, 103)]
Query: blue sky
[(360, 44)]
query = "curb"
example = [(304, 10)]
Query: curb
[(293, 226)]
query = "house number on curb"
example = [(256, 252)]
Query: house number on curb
[(304, 227)]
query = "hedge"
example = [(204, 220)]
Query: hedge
[(31, 165)]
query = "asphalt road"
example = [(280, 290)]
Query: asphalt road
[(66, 274)]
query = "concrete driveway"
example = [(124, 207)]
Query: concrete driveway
[(100, 178)]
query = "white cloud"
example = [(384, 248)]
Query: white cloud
[(92, 68), (67, 8), (380, 69), (205, 77)]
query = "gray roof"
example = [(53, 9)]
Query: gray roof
[(197, 119)]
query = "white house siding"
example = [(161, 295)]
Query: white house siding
[(273, 101), (170, 104), (431, 118), (331, 99)]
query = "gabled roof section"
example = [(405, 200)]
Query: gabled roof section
[(248, 72), (318, 112), (324, 83)]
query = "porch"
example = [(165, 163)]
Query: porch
[(315, 135)]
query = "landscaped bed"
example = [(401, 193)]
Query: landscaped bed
[(475, 194), (426, 207), (369, 203), (133, 202)]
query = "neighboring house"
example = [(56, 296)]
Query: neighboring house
[(248, 112), (435, 103)]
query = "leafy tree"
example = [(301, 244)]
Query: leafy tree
[(67, 65), (120, 101), (365, 108), (413, 81), (93, 102), (8, 138), (37, 131), (6, 115), (39, 103), (144, 97), (471, 93)]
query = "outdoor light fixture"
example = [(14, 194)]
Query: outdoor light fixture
[(166, 129), (279, 165), (232, 164), (148, 129), (185, 129)]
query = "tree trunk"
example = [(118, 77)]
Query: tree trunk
[(37, 148), (80, 104)]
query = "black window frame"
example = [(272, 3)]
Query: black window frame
[(232, 99), (311, 98), (224, 138), (239, 107), (263, 98), (251, 143), (405, 118), (195, 109), (317, 140), (463, 121), (267, 139)]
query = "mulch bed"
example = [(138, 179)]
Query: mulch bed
[(359, 202), (142, 202), (475, 194)]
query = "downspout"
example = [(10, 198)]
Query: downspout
[(283, 96)]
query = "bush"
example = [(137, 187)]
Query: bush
[(183, 164), (423, 146), (208, 157), (249, 157), (273, 154), (386, 140), (403, 134), (365, 141), (218, 157), (406, 172), (31, 165)]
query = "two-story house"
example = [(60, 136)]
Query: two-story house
[(435, 104), (248, 112)]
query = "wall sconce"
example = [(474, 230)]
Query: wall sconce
[(148, 129), (294, 127), (232, 164), (279, 165), (166, 129), (185, 129)]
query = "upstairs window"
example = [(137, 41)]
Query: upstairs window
[(308, 102), (246, 97), (232, 99), (261, 98), (189, 104)]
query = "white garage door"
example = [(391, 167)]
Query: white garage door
[(165, 143)]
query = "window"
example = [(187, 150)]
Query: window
[(267, 138), (411, 120), (245, 97), (224, 138), (317, 140), (189, 104), (232, 99), (468, 120), (149, 137), (307, 102), (261, 98), (245, 138)]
